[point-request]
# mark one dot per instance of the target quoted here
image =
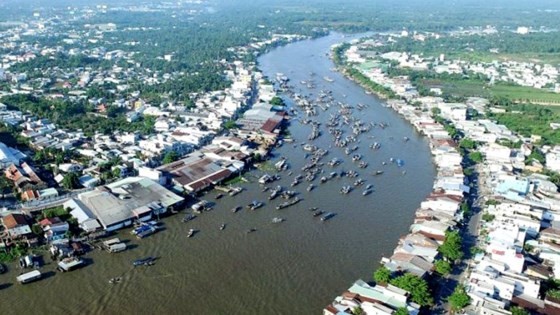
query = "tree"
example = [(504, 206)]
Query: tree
[(71, 181), (401, 311), (516, 310), (230, 124), (476, 157), (116, 172), (170, 157), (418, 288), (451, 248), (467, 144), (357, 310), (5, 186), (277, 101), (465, 208), (488, 217), (382, 275), (458, 299), (554, 293), (442, 267)]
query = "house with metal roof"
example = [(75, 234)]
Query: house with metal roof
[(119, 204)]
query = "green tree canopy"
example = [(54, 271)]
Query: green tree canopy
[(451, 248), (418, 288), (459, 299), (442, 267), (382, 275), (516, 310), (170, 157), (230, 124), (277, 101), (71, 181)]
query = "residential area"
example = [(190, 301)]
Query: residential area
[(483, 242), (135, 158)]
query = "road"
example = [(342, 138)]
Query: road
[(470, 232)]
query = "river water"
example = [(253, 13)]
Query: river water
[(296, 267)]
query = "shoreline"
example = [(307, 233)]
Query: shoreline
[(399, 105)]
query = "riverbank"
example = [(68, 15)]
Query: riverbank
[(258, 272), (432, 244)]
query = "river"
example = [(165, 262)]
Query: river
[(296, 267)]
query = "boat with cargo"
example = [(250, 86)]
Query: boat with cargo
[(148, 261), (114, 245), (29, 277), (328, 216), (69, 264)]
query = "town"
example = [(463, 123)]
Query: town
[(170, 132), (511, 260), (67, 187)]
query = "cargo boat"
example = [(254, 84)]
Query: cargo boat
[(29, 277)]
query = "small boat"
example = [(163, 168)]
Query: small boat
[(255, 205), (345, 190), (310, 187), (223, 226), (277, 220), (148, 261), (219, 196), (29, 277), (200, 206), (69, 264), (275, 193), (147, 231), (366, 192), (328, 216), (288, 203), (235, 209), (251, 230), (317, 213), (115, 280), (189, 217), (378, 172), (369, 186), (235, 190), (358, 182), (288, 194), (191, 232)]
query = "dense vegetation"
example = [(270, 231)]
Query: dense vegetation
[(451, 249), (530, 120), (74, 116)]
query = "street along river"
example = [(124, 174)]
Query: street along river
[(294, 267)]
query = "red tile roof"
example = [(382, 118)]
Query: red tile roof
[(13, 220)]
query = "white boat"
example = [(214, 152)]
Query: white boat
[(235, 190), (277, 220), (201, 205), (29, 277), (116, 248), (69, 264), (265, 179), (114, 245)]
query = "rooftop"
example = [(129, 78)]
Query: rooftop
[(126, 199)]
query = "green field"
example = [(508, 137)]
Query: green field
[(487, 57), (467, 88)]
